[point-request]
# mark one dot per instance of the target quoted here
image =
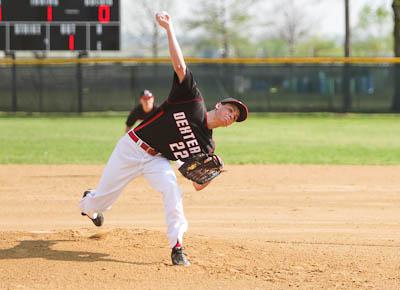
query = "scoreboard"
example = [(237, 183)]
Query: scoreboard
[(72, 25)]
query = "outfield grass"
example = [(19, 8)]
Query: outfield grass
[(263, 139)]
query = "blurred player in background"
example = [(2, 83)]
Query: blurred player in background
[(145, 109)]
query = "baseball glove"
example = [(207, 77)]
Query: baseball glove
[(201, 168)]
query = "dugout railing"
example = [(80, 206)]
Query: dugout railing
[(266, 85)]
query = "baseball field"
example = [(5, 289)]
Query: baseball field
[(308, 201)]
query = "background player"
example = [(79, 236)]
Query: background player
[(143, 110), (181, 127)]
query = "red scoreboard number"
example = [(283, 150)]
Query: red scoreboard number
[(104, 14), (41, 25), (49, 13)]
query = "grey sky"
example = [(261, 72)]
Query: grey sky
[(325, 18), (332, 13), (328, 15)]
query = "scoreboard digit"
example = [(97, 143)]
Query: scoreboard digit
[(68, 36), (74, 25), (101, 37)]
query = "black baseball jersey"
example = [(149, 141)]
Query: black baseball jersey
[(138, 114), (179, 127)]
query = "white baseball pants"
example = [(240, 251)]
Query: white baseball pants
[(127, 162)]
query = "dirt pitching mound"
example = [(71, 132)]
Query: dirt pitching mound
[(255, 227), (86, 259)]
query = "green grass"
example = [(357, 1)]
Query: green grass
[(263, 139)]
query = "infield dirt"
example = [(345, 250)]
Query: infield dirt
[(255, 227)]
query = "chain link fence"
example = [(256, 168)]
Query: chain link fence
[(265, 87)]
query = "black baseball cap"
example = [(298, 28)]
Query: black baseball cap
[(146, 93), (243, 110)]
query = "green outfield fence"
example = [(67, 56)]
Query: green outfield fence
[(266, 85)]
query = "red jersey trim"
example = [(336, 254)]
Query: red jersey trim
[(184, 102), (149, 121)]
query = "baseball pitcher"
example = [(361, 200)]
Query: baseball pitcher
[(181, 129)]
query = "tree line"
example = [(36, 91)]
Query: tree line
[(244, 28)]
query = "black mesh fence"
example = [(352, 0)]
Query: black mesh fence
[(264, 87)]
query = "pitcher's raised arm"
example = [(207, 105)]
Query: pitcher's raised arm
[(178, 62)]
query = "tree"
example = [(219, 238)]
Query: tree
[(147, 30), (373, 20), (372, 36), (373, 23), (295, 25), (223, 25), (396, 30), (396, 34), (316, 46), (272, 47)]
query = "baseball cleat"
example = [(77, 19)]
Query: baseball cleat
[(178, 257), (99, 219)]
